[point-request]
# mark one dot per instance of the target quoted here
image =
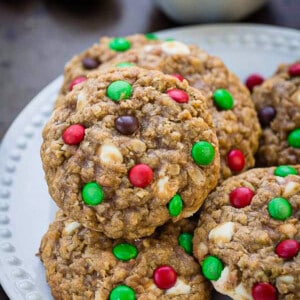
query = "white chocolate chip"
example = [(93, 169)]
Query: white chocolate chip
[(71, 227), (180, 288), (241, 293), (161, 184), (280, 180), (291, 189), (175, 47), (81, 101), (285, 279), (149, 48), (222, 284), (110, 154), (222, 233)]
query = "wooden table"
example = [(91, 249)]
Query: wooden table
[(38, 37)]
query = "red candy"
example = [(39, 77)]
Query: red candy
[(253, 80), (74, 134), (164, 277), (140, 175), (264, 291), (241, 197), (287, 249), (76, 81), (178, 76), (236, 160), (294, 69), (179, 96)]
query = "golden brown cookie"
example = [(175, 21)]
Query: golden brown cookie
[(130, 149), (229, 102), (247, 239), (277, 103), (83, 264)]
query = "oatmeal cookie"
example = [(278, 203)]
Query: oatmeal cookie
[(247, 239), (83, 264), (277, 102), (233, 112), (92, 58), (130, 149)]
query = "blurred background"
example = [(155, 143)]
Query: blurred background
[(38, 37)]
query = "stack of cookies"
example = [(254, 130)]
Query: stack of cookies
[(142, 133)]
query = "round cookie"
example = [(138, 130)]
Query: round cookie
[(85, 264), (277, 103), (130, 149), (92, 58), (230, 104), (247, 239)]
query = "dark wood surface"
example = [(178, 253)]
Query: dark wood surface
[(38, 37)]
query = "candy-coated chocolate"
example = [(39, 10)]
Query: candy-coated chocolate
[(266, 115), (76, 81), (236, 160), (212, 267), (254, 80), (264, 291), (125, 251), (151, 36), (294, 138), (294, 70), (287, 249), (122, 292), (164, 277), (178, 95), (140, 175), (90, 63), (92, 194), (223, 99), (178, 76), (175, 206), (185, 240), (125, 64), (203, 153), (241, 197), (119, 44), (127, 125), (284, 171), (119, 90), (279, 208), (74, 134)]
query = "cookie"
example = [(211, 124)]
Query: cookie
[(84, 264), (277, 102), (247, 239), (130, 149), (91, 59), (232, 109)]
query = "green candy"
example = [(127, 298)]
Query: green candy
[(124, 64), (212, 268), (175, 206), (203, 153), (169, 39), (279, 209), (119, 44), (92, 194), (122, 292), (119, 90), (223, 99), (151, 36), (283, 171), (185, 240), (294, 138), (125, 251)]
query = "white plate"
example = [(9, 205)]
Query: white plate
[(25, 206)]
